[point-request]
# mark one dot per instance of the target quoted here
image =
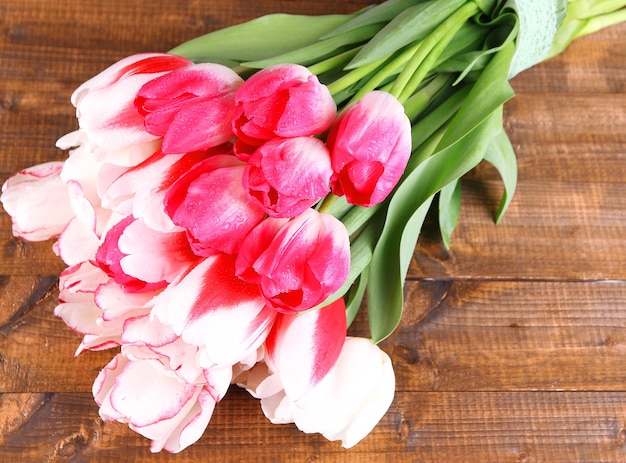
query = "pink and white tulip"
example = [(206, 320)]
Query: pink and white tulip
[(190, 107), (209, 202), (141, 190), (297, 263), (211, 308), (285, 176), (285, 100), (154, 402), (304, 347), (38, 202), (105, 103), (345, 405), (370, 145)]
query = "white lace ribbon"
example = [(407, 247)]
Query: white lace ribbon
[(538, 22)]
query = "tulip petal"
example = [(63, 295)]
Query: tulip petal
[(38, 202), (285, 176), (303, 348), (210, 203), (213, 309)]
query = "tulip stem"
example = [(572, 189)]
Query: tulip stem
[(334, 62), (387, 71), (352, 77), (427, 54), (420, 100)]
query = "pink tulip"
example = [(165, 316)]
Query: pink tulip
[(296, 263), (190, 107), (140, 191), (224, 316), (285, 100), (285, 176), (104, 104), (370, 144), (344, 405), (38, 202), (154, 402), (304, 347), (141, 259), (210, 204)]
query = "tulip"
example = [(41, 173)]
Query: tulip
[(345, 405), (140, 191), (104, 104), (92, 304), (285, 176), (190, 107), (296, 263), (210, 203), (285, 100), (142, 259), (154, 402), (304, 347), (370, 144), (38, 202), (224, 316)]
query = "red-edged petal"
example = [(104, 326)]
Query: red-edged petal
[(213, 309), (303, 348)]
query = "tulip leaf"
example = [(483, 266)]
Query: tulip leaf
[(462, 147), (410, 26), (449, 210), (355, 296), (260, 38), (382, 12), (319, 50), (501, 155)]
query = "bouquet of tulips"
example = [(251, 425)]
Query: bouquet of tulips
[(226, 206)]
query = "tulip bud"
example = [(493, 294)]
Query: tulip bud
[(190, 107), (285, 100), (210, 203), (285, 176), (370, 145), (104, 104), (304, 262)]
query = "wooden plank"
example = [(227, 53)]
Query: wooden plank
[(559, 427), (455, 336), (581, 225), (552, 230)]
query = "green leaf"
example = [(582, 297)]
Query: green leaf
[(461, 148), (449, 210), (259, 38), (319, 50), (410, 26), (375, 14), (355, 297), (501, 155)]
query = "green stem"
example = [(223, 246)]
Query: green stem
[(418, 102), (335, 205), (386, 72), (429, 50), (602, 21), (358, 216), (354, 76), (334, 62)]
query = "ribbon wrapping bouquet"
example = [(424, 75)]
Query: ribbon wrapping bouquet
[(226, 206)]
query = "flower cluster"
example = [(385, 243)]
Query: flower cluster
[(185, 215)]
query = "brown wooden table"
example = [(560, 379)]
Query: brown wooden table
[(513, 343)]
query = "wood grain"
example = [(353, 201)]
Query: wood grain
[(512, 343)]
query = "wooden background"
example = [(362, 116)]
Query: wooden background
[(513, 343)]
